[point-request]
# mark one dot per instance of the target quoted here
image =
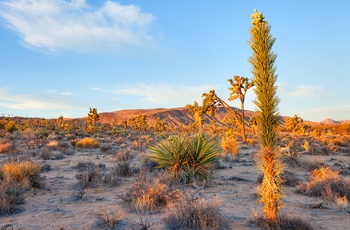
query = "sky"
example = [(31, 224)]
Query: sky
[(62, 57)]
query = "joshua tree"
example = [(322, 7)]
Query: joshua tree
[(240, 86), (198, 112), (294, 122), (92, 119), (263, 70), (215, 102)]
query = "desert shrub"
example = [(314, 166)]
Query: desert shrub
[(46, 154), (229, 143), (25, 173), (11, 196), (52, 143), (284, 222), (123, 156), (187, 158), (10, 126), (106, 149), (89, 176), (4, 147), (82, 166), (327, 184), (110, 220), (123, 169), (87, 142), (191, 212), (150, 192), (110, 178)]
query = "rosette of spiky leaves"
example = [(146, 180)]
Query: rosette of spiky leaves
[(202, 150), (185, 157), (171, 154)]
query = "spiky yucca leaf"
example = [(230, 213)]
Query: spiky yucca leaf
[(203, 150), (185, 157), (170, 153)]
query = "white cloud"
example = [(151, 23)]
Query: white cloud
[(43, 101), (66, 93), (75, 25), (162, 94), (300, 90)]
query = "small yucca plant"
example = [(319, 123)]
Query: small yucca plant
[(185, 157)]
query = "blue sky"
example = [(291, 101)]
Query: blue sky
[(60, 57)]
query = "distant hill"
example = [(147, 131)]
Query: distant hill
[(176, 116)]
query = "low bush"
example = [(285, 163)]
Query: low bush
[(11, 196), (25, 173), (110, 220), (327, 184), (191, 212), (284, 223), (123, 169), (4, 147), (87, 142), (150, 192), (229, 144), (89, 177)]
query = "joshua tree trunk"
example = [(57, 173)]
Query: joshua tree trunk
[(263, 69)]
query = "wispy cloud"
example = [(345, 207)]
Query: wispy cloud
[(76, 25), (158, 94), (41, 101), (300, 90), (336, 112)]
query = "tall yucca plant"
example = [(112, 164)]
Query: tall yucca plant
[(263, 69)]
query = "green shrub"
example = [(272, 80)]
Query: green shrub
[(185, 157)]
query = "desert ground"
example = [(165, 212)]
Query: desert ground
[(91, 187)]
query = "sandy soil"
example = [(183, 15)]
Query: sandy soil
[(55, 207)]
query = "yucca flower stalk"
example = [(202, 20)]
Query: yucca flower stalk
[(263, 69)]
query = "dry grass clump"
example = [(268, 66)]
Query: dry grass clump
[(284, 223), (123, 156), (4, 147), (193, 212), (89, 176), (87, 142), (46, 154), (111, 219), (92, 176), (11, 196), (25, 173), (123, 169), (229, 144), (151, 192), (327, 184)]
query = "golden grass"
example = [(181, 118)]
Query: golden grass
[(328, 185), (230, 145), (87, 142), (323, 174), (4, 147), (26, 173)]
